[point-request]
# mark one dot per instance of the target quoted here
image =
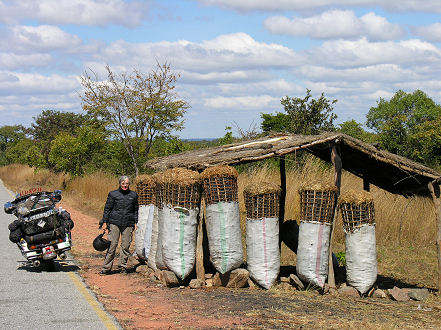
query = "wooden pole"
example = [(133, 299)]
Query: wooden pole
[(282, 195), (336, 161), (366, 184), (435, 191), (200, 270)]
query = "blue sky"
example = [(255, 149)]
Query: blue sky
[(237, 59)]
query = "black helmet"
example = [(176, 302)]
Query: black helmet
[(100, 243)]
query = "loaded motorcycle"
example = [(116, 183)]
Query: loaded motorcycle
[(41, 231)]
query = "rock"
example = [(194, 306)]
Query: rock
[(237, 278), (208, 275), (326, 288), (169, 279), (349, 291), (196, 284), (209, 282), (217, 279), (251, 284), (158, 274), (143, 269), (378, 293), (296, 282), (284, 279), (285, 286), (398, 294), (418, 294)]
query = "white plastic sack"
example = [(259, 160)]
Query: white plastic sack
[(263, 254), (151, 259), (312, 252), (178, 238), (144, 226), (224, 236), (159, 258), (361, 258)]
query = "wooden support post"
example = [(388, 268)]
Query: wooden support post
[(434, 188), (366, 185), (200, 270), (336, 160), (282, 195)]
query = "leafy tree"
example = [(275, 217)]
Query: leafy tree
[(74, 153), (9, 137), (277, 123), (404, 120), (305, 116), (18, 152), (425, 143), (354, 129), (137, 107), (50, 123), (227, 138)]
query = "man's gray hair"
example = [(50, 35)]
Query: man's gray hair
[(123, 178)]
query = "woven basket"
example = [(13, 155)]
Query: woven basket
[(145, 188), (357, 214), (262, 201), (317, 205)]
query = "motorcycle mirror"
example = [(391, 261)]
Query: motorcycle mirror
[(9, 208)]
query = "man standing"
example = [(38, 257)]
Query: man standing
[(120, 216)]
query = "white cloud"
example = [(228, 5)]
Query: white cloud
[(430, 32), (78, 12), (40, 38), (302, 5), (240, 102), (32, 83), (230, 52), (11, 61), (381, 73), (346, 53), (335, 24)]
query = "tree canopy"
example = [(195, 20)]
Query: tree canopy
[(408, 125), (136, 106), (307, 116)]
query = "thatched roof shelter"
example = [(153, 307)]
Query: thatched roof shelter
[(388, 171)]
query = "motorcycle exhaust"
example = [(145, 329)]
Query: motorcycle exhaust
[(62, 256), (36, 263)]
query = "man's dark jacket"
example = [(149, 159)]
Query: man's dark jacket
[(121, 208)]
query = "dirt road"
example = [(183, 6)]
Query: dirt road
[(139, 302)]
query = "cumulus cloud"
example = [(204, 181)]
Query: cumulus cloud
[(11, 61), (40, 38), (230, 52), (335, 24), (302, 5), (240, 102), (430, 32), (78, 12), (33, 83), (347, 53)]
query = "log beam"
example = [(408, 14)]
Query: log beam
[(434, 188)]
